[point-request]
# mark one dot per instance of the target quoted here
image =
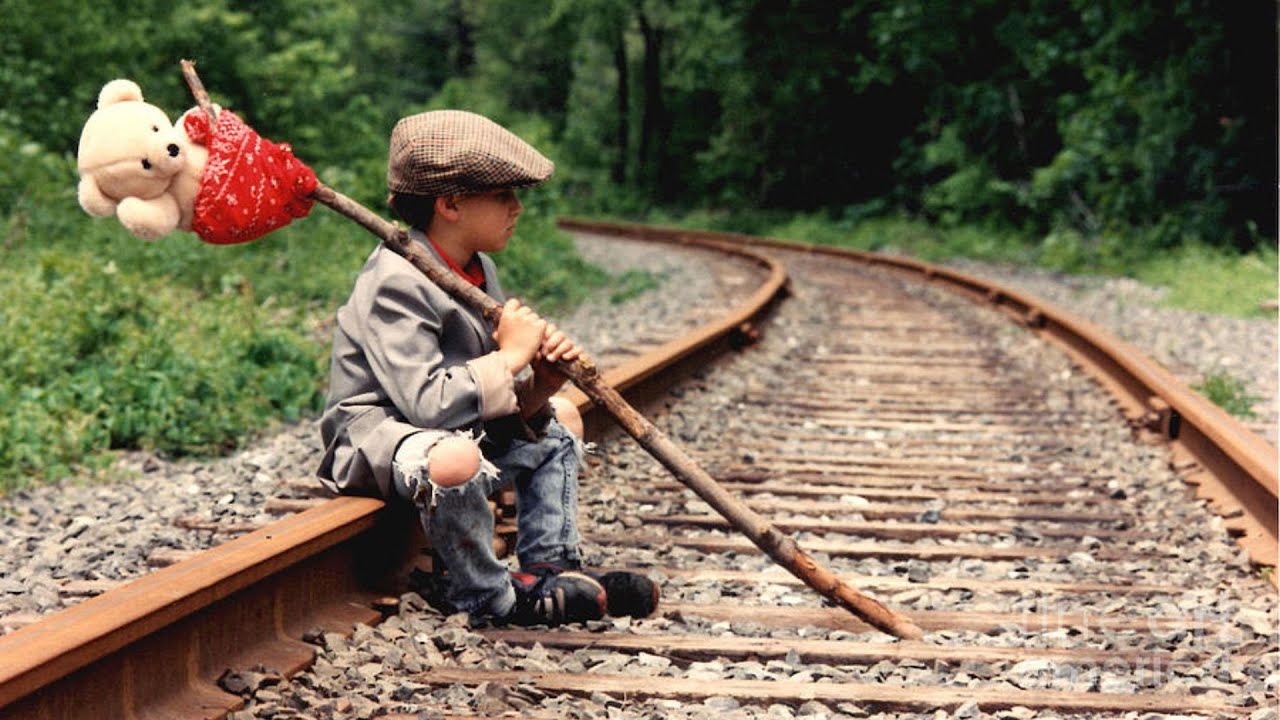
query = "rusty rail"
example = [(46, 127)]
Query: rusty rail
[(160, 642)]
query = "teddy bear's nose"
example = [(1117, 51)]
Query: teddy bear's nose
[(173, 150)]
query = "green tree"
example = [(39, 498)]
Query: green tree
[(1087, 115), (645, 96), (817, 122), (1090, 117)]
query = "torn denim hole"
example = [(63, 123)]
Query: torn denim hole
[(487, 471), (409, 466)]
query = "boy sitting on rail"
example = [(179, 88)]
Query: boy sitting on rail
[(422, 396)]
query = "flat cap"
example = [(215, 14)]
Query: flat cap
[(454, 152)]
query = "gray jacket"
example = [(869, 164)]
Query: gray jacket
[(406, 357)]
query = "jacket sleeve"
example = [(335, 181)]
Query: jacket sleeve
[(404, 332)]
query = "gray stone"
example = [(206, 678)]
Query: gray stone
[(813, 708), (918, 571), (722, 704), (1256, 620)]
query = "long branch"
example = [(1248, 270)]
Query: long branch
[(584, 374)]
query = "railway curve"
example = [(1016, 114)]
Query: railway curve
[(876, 522)]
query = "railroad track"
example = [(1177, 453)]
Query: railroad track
[(935, 455)]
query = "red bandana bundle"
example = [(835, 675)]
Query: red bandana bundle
[(250, 186)]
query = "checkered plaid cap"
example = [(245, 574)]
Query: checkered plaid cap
[(454, 152)]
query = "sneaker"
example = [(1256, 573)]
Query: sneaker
[(628, 594), (555, 599)]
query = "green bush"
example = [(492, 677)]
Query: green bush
[(176, 346), (101, 358), (1229, 393), (541, 267)]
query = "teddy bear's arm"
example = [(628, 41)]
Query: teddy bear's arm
[(92, 200), (149, 219)]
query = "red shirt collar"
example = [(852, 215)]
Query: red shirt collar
[(473, 272)]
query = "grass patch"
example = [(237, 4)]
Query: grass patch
[(631, 284), (101, 359), (1229, 393), (1214, 281)]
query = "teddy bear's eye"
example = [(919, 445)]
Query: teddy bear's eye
[(155, 128), (146, 164)]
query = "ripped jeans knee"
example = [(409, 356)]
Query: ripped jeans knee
[(436, 450), (458, 522)]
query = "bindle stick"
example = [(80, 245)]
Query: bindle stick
[(583, 373)]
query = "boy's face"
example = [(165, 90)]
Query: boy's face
[(488, 219)]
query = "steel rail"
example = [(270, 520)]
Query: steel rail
[(1229, 465), (156, 646)]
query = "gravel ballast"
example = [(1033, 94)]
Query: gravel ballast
[(73, 540)]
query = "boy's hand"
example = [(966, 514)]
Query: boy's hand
[(547, 378), (557, 346), (519, 335)]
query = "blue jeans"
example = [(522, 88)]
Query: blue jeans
[(459, 523)]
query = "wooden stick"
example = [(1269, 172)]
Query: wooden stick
[(197, 91), (584, 374)]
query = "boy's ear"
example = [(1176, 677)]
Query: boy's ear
[(447, 207)]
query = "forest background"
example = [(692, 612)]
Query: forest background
[(1083, 135)]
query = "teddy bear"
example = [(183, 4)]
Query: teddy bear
[(213, 176), (136, 164)]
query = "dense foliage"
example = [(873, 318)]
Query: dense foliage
[(1082, 116), (1102, 131)]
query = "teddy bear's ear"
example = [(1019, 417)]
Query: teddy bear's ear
[(92, 199), (119, 90)]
